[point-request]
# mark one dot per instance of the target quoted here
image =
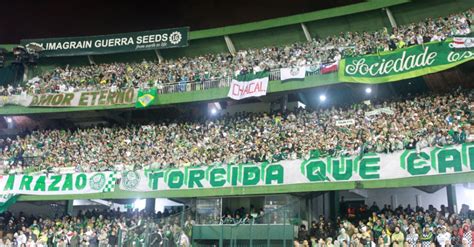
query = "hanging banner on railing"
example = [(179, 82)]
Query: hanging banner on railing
[(58, 184), (112, 43), (87, 98), (248, 86), (83, 99), (402, 164), (295, 73), (23, 100), (462, 42), (404, 63)]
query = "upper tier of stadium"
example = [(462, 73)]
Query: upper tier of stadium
[(224, 66)]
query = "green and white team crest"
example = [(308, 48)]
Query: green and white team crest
[(97, 182), (130, 179)]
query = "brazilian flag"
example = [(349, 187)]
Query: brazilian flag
[(145, 98)]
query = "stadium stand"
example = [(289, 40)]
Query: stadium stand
[(265, 177), (224, 66), (402, 226), (419, 122)]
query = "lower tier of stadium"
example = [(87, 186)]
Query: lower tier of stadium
[(426, 216)]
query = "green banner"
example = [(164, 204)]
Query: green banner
[(145, 97), (113, 43), (402, 64), (6, 201)]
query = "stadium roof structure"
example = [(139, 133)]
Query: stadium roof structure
[(343, 8)]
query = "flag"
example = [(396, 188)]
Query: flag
[(145, 97), (313, 69), (329, 68), (462, 42), (295, 73), (6, 200), (110, 185), (252, 85)]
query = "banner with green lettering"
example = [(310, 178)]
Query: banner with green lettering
[(86, 98), (58, 184), (402, 164), (402, 64), (112, 43)]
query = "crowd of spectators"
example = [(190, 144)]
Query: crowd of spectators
[(370, 226), (226, 65), (386, 227), (104, 228), (409, 123)]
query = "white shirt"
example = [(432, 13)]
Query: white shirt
[(21, 239), (443, 237)]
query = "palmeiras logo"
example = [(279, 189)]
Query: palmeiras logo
[(175, 37), (97, 181), (468, 42), (294, 71), (130, 179)]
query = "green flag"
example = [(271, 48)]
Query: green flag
[(6, 200), (145, 97)]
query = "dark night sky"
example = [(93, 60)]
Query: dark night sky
[(20, 19)]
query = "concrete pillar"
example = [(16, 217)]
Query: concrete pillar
[(150, 205), (25, 71), (418, 200), (284, 103), (452, 201), (393, 23), (306, 32), (309, 207), (91, 59), (230, 45), (159, 56), (394, 201), (69, 206), (334, 204)]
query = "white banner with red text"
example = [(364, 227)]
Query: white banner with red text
[(246, 89)]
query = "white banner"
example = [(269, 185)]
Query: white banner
[(385, 110), (245, 89), (86, 98), (345, 122), (295, 73), (462, 42), (58, 184), (401, 164), (23, 100), (82, 99)]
